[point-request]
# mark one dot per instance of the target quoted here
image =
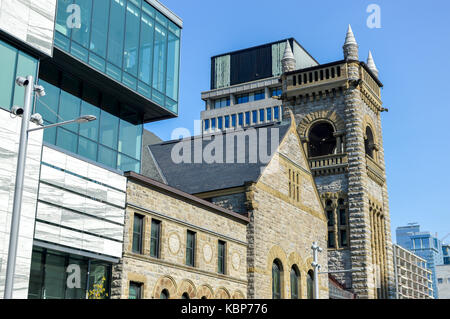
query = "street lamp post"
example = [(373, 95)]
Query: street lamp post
[(25, 112)]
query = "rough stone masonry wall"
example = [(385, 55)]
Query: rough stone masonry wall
[(282, 228), (169, 271)]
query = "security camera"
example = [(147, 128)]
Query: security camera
[(21, 81), (37, 119), (40, 91), (17, 110)]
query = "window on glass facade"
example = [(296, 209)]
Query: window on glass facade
[(138, 233), (190, 248), (295, 282), (135, 291), (128, 40), (14, 63), (50, 270), (277, 270), (155, 238), (221, 257), (113, 140)]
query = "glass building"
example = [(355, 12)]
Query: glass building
[(118, 60), (128, 40)]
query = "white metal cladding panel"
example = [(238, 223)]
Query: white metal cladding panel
[(32, 22), (83, 204), (9, 142)]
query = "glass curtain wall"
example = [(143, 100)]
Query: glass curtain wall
[(57, 275), (14, 63), (128, 40), (113, 140)]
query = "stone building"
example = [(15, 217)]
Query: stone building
[(179, 246), (337, 108), (276, 190)]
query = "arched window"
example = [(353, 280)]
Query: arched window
[(185, 296), (164, 294), (277, 270), (322, 140), (369, 142), (295, 276), (310, 284)]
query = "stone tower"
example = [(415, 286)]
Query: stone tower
[(337, 109)]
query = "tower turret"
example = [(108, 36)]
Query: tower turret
[(371, 64), (350, 46), (288, 61)]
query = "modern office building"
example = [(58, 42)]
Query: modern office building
[(115, 59), (412, 278), (446, 253), (245, 85), (425, 245), (443, 281)]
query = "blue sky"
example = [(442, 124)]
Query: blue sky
[(411, 51)]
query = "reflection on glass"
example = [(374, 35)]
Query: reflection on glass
[(159, 58), (131, 40), (109, 125), (100, 12), (66, 140), (81, 34), (116, 31)]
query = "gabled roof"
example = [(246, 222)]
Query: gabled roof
[(239, 168)]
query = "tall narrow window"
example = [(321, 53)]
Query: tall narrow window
[(331, 240), (221, 257), (190, 248), (309, 285), (138, 227), (135, 290), (276, 279), (155, 239), (295, 275), (164, 294)]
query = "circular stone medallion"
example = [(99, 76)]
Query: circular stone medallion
[(174, 244), (207, 253)]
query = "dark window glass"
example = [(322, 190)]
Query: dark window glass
[(269, 114), (138, 227), (220, 123), (343, 238), (342, 217), (233, 120), (247, 118), (243, 98), (294, 283), (260, 95), (190, 248), (164, 294), (213, 123), (241, 119), (309, 285), (185, 296), (276, 113), (227, 121), (206, 124), (331, 240), (221, 257), (261, 116), (81, 35), (276, 280), (255, 117), (330, 217), (135, 290), (155, 238)]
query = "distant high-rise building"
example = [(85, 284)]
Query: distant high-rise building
[(423, 244), (443, 281)]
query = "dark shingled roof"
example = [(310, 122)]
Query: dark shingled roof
[(202, 177)]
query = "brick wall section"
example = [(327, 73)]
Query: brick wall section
[(177, 215)]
